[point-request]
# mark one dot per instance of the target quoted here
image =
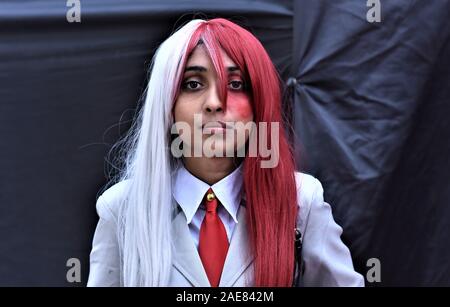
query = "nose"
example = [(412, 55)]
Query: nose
[(213, 103)]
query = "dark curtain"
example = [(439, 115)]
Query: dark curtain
[(372, 113), (370, 118)]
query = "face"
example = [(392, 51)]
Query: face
[(218, 126)]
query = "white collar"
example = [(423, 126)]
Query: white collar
[(189, 191)]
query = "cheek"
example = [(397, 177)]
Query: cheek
[(181, 111), (176, 111), (240, 108)]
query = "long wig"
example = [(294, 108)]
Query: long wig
[(271, 197)]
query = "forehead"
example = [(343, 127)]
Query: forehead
[(201, 57)]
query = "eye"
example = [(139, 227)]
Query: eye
[(236, 85), (191, 85)]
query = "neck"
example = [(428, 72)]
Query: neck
[(210, 170)]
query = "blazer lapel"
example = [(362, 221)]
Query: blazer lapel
[(239, 257), (186, 258)]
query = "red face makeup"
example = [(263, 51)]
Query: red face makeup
[(199, 94)]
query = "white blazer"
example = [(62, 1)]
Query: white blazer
[(327, 261)]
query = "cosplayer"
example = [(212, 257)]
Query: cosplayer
[(181, 216)]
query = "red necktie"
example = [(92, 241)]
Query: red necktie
[(213, 243)]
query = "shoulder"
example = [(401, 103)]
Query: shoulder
[(309, 188), (307, 184), (110, 200)]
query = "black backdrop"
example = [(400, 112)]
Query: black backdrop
[(370, 109)]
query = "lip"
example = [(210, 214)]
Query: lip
[(215, 127), (216, 124)]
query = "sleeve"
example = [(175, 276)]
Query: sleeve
[(104, 268), (327, 260)]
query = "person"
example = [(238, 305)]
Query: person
[(209, 194)]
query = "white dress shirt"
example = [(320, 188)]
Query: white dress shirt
[(327, 260), (189, 191)]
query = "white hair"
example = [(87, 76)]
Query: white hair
[(145, 216)]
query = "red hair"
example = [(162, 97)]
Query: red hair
[(271, 192)]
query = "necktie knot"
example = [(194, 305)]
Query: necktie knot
[(211, 202)]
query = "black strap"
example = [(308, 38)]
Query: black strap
[(298, 272)]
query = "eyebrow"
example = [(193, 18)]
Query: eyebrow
[(203, 69)]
